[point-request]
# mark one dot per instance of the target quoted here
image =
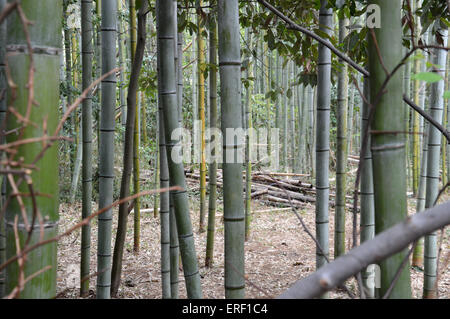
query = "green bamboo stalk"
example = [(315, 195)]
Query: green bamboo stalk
[(98, 69), (285, 116), (106, 141), (3, 108), (277, 102), (128, 151), (432, 187), (447, 150), (180, 82), (248, 142), (174, 255), (417, 258), (121, 45), (68, 56), (209, 259), (143, 124), (388, 149), (201, 108), (323, 138), (87, 56), (311, 125), (367, 220), (174, 243), (136, 138), (341, 150), (351, 105), (292, 121), (167, 73), (46, 33), (267, 58), (407, 91), (163, 183), (304, 131), (301, 117), (77, 146), (234, 217), (416, 118)]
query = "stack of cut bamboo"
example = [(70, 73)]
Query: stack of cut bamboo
[(276, 189)]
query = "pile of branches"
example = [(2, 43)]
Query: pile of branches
[(276, 189)]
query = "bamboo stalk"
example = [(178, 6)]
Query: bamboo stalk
[(106, 146), (230, 79), (128, 154), (323, 138), (433, 154), (3, 108), (87, 56), (388, 150), (30, 88), (166, 19), (341, 151), (201, 108), (209, 259)]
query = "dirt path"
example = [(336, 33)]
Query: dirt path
[(278, 253)]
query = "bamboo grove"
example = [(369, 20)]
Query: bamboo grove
[(195, 113)]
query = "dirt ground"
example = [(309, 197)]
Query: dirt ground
[(278, 253)]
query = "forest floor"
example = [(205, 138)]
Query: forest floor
[(278, 253)]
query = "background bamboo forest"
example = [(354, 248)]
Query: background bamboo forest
[(341, 190)]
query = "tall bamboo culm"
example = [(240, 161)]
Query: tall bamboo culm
[(367, 220), (417, 258), (323, 138), (341, 152), (164, 199), (106, 148), (128, 150), (230, 86), (248, 142), (388, 150), (174, 243), (46, 34), (209, 260), (136, 138), (201, 109), (2, 141), (166, 19), (87, 57), (432, 187)]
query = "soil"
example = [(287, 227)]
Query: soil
[(278, 253)]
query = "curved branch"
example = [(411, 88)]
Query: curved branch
[(295, 26), (370, 252), (427, 117)]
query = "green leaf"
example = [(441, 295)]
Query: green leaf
[(447, 95), (429, 77)]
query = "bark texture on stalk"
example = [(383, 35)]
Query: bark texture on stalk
[(432, 187), (167, 41), (106, 147), (46, 34), (367, 220), (164, 200), (201, 109), (136, 137), (230, 86), (248, 143), (128, 151), (323, 138), (388, 149), (3, 109), (87, 57), (341, 152), (213, 126)]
